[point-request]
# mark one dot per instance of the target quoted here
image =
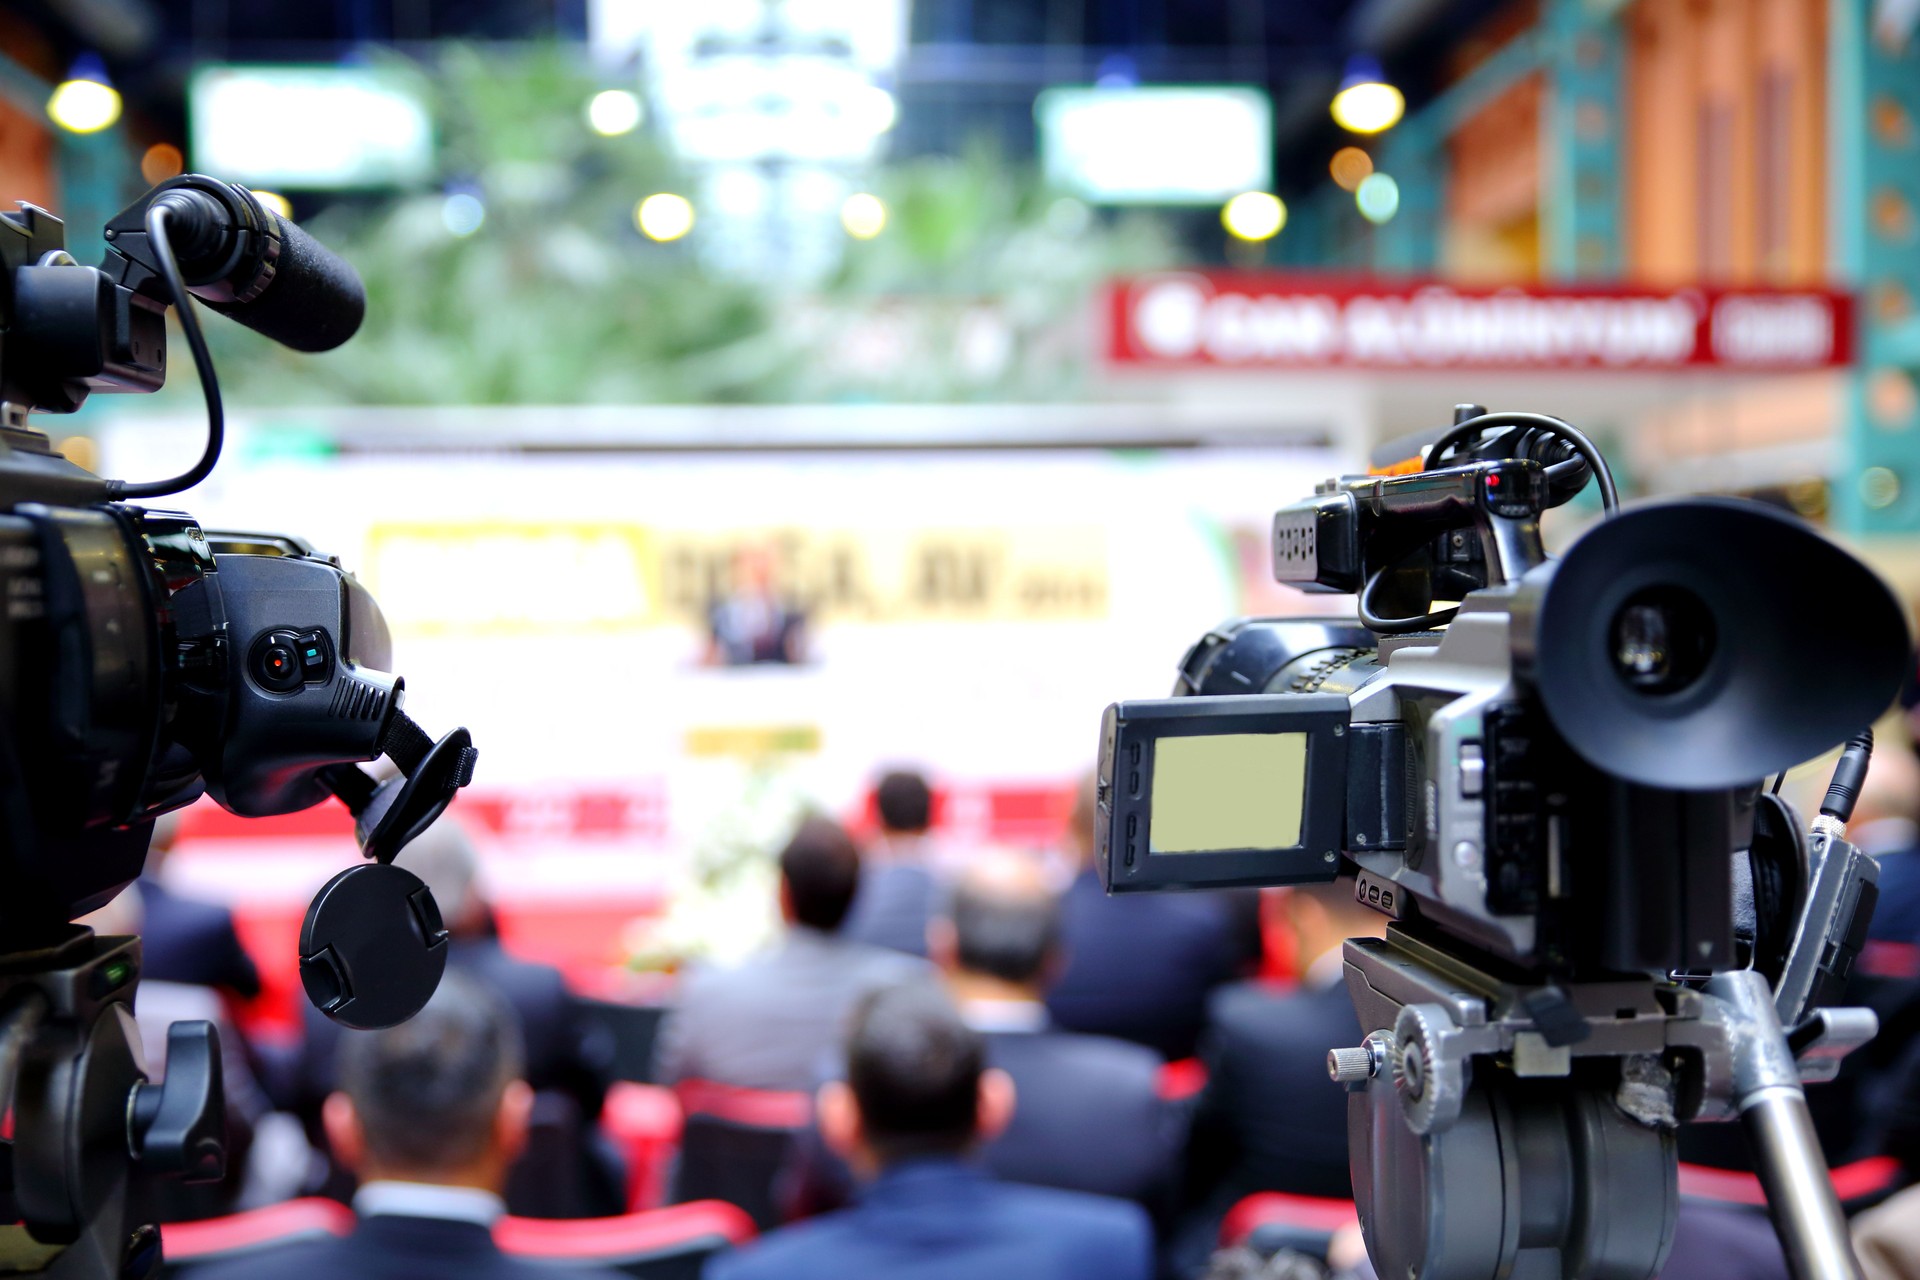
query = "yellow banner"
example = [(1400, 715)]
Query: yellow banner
[(512, 577)]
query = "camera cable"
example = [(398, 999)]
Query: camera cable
[(119, 490)]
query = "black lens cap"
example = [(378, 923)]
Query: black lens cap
[(373, 947)]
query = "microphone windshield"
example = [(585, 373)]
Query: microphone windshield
[(314, 302)]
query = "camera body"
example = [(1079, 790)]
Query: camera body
[(1560, 779), (144, 661)]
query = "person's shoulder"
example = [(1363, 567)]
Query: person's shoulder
[(1111, 1058), (500, 964), (883, 966), (308, 1259), (1075, 1214), (817, 1247)]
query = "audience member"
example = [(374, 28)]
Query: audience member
[(1270, 1119), (898, 893), (431, 1113), (1139, 966), (568, 1060), (917, 1100), (774, 1021), (1090, 1117), (186, 939)]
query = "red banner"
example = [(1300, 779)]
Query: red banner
[(1277, 321)]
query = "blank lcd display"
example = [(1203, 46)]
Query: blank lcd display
[(1227, 791)]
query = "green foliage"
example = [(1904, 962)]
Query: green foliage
[(978, 287)]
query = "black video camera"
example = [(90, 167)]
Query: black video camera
[(145, 661)]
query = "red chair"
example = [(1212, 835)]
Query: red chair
[(644, 1121), (236, 1235), (1860, 1184), (1271, 1220), (660, 1244), (1181, 1079), (734, 1144)]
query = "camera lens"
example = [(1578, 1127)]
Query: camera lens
[(276, 665), (1662, 638)]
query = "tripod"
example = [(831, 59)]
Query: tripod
[(89, 1131), (1526, 1130)]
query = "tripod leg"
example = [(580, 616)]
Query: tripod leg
[(1806, 1212), (1773, 1108)]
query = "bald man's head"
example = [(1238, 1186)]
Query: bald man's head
[(1006, 922)]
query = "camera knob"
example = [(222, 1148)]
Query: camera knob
[(179, 1126)]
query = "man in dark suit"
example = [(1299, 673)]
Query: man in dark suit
[(917, 1100), (431, 1113), (899, 893), (567, 1058), (1088, 1115), (1139, 966), (184, 939), (1270, 1119)]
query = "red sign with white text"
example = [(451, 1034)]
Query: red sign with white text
[(1277, 321)]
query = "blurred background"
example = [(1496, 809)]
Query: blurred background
[(755, 394)]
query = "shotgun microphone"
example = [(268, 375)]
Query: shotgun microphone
[(243, 260)]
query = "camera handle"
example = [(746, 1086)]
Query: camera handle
[(1410, 537)]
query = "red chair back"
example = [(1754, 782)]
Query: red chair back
[(1858, 1184), (735, 1143), (1181, 1079), (1312, 1214), (660, 1244), (644, 1121), (239, 1234)]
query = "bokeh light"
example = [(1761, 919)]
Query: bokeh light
[(1378, 198), (1350, 167), (1254, 215), (664, 216), (84, 106), (1366, 103), (863, 215), (161, 161), (613, 112), (463, 213), (275, 201), (873, 110)]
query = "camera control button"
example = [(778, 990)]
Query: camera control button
[(1473, 771)]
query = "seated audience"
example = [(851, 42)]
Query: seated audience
[(1270, 1119), (774, 1021), (185, 939), (898, 892), (1139, 966), (567, 1058), (430, 1114), (1089, 1116), (917, 1101)]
